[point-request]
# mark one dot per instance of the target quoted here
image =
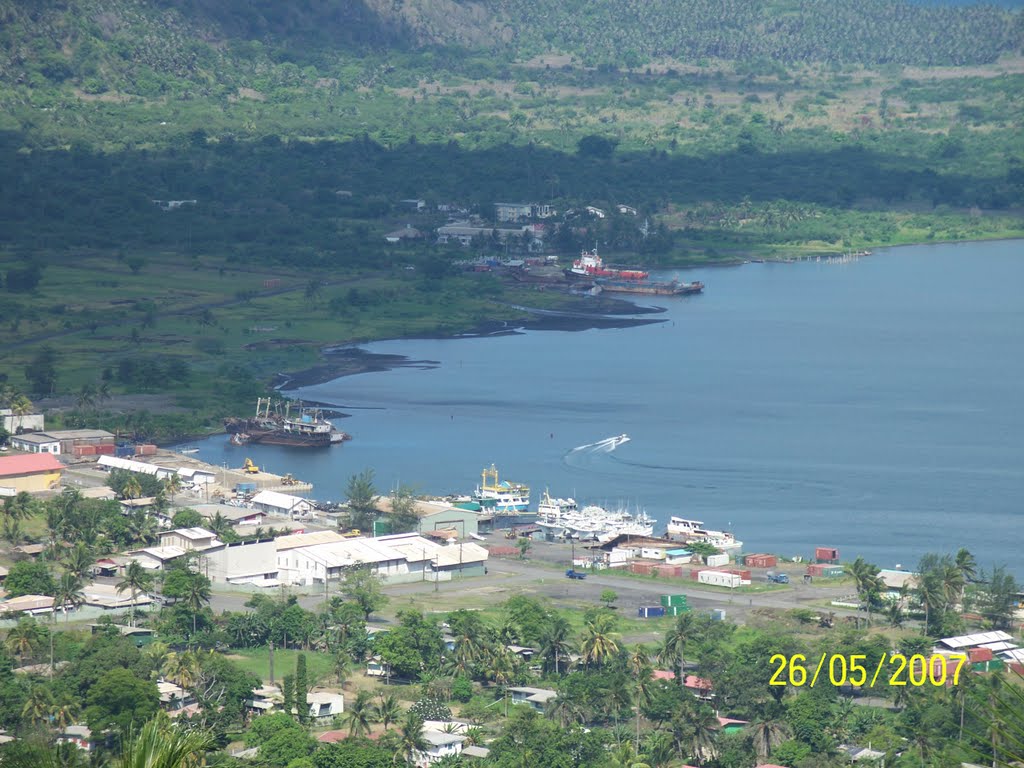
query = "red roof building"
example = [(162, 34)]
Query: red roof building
[(30, 472)]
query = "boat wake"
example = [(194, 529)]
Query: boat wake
[(607, 445)]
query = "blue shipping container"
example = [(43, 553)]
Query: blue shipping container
[(651, 612)]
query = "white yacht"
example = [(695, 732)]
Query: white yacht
[(693, 530)]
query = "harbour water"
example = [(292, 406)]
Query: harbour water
[(875, 405)]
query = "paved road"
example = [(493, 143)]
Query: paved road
[(544, 574)]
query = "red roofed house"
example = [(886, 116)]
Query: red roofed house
[(30, 472), (700, 687)]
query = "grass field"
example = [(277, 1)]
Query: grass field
[(257, 661)]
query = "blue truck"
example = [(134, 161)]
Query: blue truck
[(573, 574)]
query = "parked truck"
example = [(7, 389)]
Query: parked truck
[(778, 578), (574, 574)]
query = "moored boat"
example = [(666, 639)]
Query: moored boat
[(590, 265), (501, 496), (691, 531), (309, 429), (651, 287)]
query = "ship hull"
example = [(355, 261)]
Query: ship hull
[(281, 437), (651, 289)]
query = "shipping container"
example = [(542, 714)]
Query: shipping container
[(667, 600), (669, 571), (717, 560), (84, 450), (676, 610), (760, 561), (832, 571), (105, 450), (719, 579), (644, 569), (826, 554), (651, 612), (718, 614)]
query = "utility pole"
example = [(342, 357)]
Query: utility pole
[(271, 645)]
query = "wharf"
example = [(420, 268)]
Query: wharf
[(225, 478)]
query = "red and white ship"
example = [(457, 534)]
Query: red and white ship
[(589, 264)]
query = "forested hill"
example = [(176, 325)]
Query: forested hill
[(135, 46), (863, 31)]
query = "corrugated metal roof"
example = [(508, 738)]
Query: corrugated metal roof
[(979, 638), (11, 466), (116, 462), (307, 539), (278, 500)]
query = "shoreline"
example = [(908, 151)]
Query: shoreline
[(348, 358)]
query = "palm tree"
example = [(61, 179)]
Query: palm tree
[(554, 642), (172, 485), (411, 739), (767, 734), (387, 710), (673, 650), (643, 694), (156, 654), (86, 396), (65, 712), (196, 596), (37, 706), (342, 667), (159, 744), (359, 715), (470, 649), (658, 747), (867, 581), (68, 593), (220, 525), (80, 561), (131, 488), (599, 641), (181, 668), (20, 407), (894, 613), (952, 583), (967, 566), (931, 594), (136, 579), (704, 727), (565, 709), (24, 639)]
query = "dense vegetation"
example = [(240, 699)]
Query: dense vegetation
[(297, 128), (610, 711), (876, 32)]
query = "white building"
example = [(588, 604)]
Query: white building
[(116, 462), (324, 706), (282, 504), (439, 746), (329, 561), (12, 423), (189, 539), (241, 562), (35, 442), (313, 557), (537, 698)]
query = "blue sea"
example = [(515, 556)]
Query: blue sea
[(875, 405)]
